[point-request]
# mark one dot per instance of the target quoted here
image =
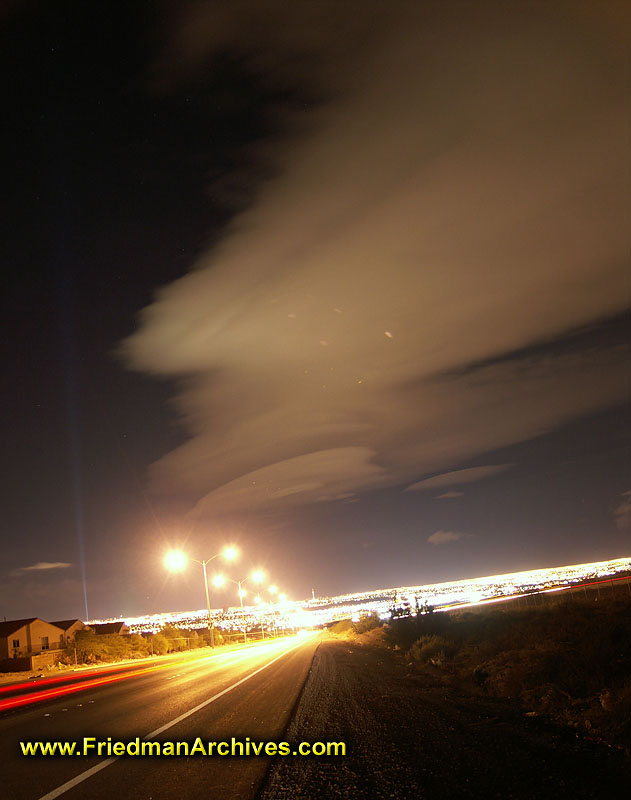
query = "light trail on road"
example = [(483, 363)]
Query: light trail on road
[(243, 691), (83, 776), (83, 683)]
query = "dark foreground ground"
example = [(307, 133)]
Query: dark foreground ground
[(408, 736)]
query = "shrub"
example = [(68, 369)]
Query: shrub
[(217, 638), (139, 645), (160, 644), (341, 627), (92, 648), (176, 637), (367, 623), (434, 649)]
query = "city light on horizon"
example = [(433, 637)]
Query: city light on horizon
[(442, 595)]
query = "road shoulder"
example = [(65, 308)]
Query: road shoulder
[(409, 737)]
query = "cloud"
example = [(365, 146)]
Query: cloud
[(444, 537), (622, 513), (449, 495), (315, 477), (471, 207), (457, 477), (42, 566)]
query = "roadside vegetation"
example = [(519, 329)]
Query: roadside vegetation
[(348, 629), (567, 659), (88, 648)]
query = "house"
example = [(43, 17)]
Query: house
[(69, 628), (108, 628), (25, 637)]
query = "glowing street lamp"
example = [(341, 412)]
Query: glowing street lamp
[(218, 580), (231, 553), (176, 560), (258, 576)]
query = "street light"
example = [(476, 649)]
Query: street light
[(176, 560), (259, 602), (258, 576), (282, 599)]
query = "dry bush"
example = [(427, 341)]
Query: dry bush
[(569, 658), (433, 649), (341, 628)]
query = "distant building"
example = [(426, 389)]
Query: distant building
[(69, 628), (109, 628), (25, 637)]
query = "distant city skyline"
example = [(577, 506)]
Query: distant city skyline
[(324, 609)]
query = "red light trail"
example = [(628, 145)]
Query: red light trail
[(37, 697)]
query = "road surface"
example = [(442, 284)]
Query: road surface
[(408, 735), (245, 692)]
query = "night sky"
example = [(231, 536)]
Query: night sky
[(344, 284)]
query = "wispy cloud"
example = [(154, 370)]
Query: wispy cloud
[(449, 495), (444, 537), (457, 477), (42, 566), (336, 323)]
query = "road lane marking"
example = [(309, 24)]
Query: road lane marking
[(83, 685), (191, 657), (83, 776)]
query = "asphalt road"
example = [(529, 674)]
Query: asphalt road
[(409, 735), (247, 692)]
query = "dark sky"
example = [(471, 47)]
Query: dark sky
[(344, 284)]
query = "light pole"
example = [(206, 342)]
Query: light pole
[(175, 561), (257, 576), (273, 590), (283, 599), (259, 602)]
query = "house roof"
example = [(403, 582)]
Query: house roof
[(109, 627), (7, 628), (66, 623)]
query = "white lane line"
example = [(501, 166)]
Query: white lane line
[(83, 776)]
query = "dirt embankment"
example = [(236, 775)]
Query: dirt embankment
[(411, 734), (566, 660)]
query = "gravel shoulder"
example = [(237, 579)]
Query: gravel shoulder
[(409, 736)]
